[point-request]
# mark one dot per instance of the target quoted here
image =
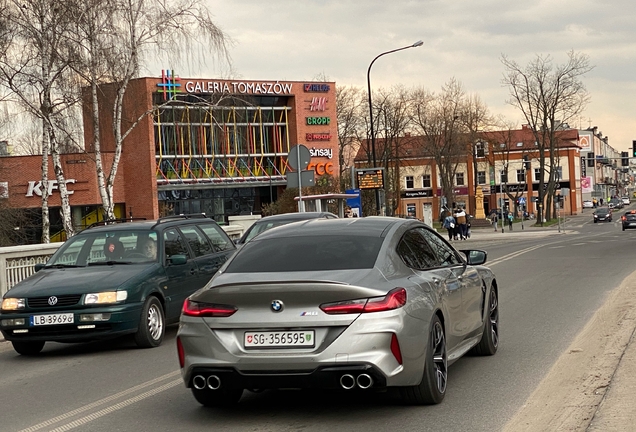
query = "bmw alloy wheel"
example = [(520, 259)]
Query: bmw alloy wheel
[(439, 357), (493, 316)]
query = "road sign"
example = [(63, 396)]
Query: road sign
[(306, 177), (522, 200), (298, 153)]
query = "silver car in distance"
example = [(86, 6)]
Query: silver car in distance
[(352, 304)]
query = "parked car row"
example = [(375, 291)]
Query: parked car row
[(279, 311)]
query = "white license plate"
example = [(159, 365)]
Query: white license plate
[(279, 339), (52, 319)]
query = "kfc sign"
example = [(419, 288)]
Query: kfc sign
[(36, 187)]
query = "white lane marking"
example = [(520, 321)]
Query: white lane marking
[(578, 244), (100, 402), (514, 255), (116, 407), (556, 247)]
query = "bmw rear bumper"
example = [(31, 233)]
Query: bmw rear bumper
[(365, 343), (324, 377)]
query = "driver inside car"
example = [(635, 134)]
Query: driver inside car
[(150, 249)]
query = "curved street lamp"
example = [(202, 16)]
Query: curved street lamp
[(415, 45)]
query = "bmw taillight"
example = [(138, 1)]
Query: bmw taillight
[(396, 298), (200, 309)]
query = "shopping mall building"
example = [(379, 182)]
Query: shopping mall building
[(199, 145)]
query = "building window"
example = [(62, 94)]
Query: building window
[(559, 173), (409, 182), (481, 177), (410, 210), (459, 179), (537, 174), (503, 176), (521, 176), (426, 181), (480, 150)]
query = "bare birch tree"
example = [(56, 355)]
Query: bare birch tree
[(32, 69), (437, 119), (393, 123), (548, 96), (350, 108), (476, 119), (115, 37)]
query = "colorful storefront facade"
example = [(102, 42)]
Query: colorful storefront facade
[(195, 145)]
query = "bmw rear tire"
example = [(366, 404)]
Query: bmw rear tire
[(217, 398), (432, 389), (152, 324), (27, 348)]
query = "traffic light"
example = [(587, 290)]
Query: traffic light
[(526, 163), (624, 159), (633, 148), (590, 158)]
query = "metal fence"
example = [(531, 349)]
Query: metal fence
[(18, 262)]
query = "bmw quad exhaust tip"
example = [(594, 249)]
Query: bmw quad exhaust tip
[(347, 381), (214, 382), (198, 382), (364, 381)]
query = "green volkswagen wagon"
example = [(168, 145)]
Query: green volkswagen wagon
[(121, 277)]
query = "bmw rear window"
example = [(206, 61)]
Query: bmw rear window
[(306, 253)]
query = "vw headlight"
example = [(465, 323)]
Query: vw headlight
[(11, 303), (106, 297)]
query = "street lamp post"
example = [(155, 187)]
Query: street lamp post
[(416, 44)]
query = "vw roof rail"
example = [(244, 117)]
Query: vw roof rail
[(182, 216), (114, 221)]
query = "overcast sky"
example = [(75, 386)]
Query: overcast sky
[(464, 39)]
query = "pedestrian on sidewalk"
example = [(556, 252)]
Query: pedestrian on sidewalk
[(460, 217), (449, 223), (494, 219), (510, 219)]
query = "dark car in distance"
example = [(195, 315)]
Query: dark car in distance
[(602, 214), (115, 279), (269, 222), (629, 220)]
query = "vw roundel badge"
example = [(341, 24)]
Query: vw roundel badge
[(277, 305), (52, 301)]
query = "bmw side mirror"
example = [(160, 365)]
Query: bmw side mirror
[(38, 267), (475, 257)]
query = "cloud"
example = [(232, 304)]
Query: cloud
[(296, 40)]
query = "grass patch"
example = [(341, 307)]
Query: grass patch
[(547, 223)]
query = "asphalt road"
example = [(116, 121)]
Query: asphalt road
[(550, 285)]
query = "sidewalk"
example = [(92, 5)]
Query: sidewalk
[(615, 411)]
